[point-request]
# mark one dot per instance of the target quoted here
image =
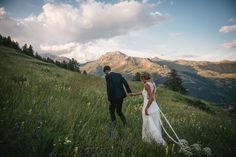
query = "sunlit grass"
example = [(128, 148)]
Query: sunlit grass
[(61, 113)]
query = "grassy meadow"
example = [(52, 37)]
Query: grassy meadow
[(49, 111)]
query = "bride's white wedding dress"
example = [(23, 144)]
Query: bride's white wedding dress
[(151, 124)]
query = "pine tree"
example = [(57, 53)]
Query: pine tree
[(30, 51), (25, 49), (175, 83), (137, 76), (1, 39), (85, 72)]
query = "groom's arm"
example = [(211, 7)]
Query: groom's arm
[(125, 83), (109, 88)]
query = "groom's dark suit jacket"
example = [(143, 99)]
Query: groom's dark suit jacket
[(115, 88)]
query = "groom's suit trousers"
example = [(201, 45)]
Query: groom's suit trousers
[(116, 105)]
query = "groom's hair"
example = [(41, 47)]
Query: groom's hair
[(106, 68)]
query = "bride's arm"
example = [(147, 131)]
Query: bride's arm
[(136, 93), (150, 97)]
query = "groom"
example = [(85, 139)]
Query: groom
[(116, 93)]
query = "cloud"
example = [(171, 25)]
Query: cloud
[(61, 23), (60, 48), (63, 28), (226, 29), (84, 52), (231, 19), (188, 56), (229, 45), (175, 34)]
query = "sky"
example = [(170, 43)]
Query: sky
[(86, 29)]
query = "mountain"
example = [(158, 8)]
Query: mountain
[(221, 69), (55, 57), (125, 64), (211, 81)]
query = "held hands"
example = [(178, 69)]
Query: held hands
[(109, 103), (131, 94)]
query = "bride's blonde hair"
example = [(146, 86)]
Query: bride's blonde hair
[(145, 75)]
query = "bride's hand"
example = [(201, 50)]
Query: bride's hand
[(130, 94), (146, 112)]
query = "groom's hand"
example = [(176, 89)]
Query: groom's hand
[(109, 103), (130, 94)]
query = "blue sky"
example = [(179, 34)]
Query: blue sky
[(190, 30)]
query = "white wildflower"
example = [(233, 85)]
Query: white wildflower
[(196, 147), (67, 141), (183, 142), (186, 150), (207, 151), (30, 111)]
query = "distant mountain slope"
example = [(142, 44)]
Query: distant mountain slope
[(55, 57), (212, 81), (123, 63), (222, 69)]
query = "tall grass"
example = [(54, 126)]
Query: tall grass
[(56, 112)]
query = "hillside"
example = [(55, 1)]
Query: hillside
[(222, 69), (49, 111), (211, 81), (220, 90)]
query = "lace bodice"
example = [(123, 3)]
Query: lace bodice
[(154, 106), (153, 90)]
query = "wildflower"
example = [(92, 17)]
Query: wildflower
[(186, 150), (30, 111), (196, 147), (183, 142), (76, 151), (18, 129), (207, 151), (35, 134), (67, 141), (22, 124)]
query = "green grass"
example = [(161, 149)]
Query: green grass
[(62, 113)]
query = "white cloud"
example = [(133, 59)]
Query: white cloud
[(175, 34), (61, 48), (226, 29), (145, 1), (231, 19), (49, 1), (93, 20), (94, 49), (229, 45), (62, 28)]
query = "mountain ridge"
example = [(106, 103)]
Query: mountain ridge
[(206, 80), (55, 57)]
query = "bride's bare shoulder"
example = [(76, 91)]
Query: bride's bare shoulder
[(147, 85)]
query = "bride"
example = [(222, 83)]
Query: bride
[(151, 131)]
